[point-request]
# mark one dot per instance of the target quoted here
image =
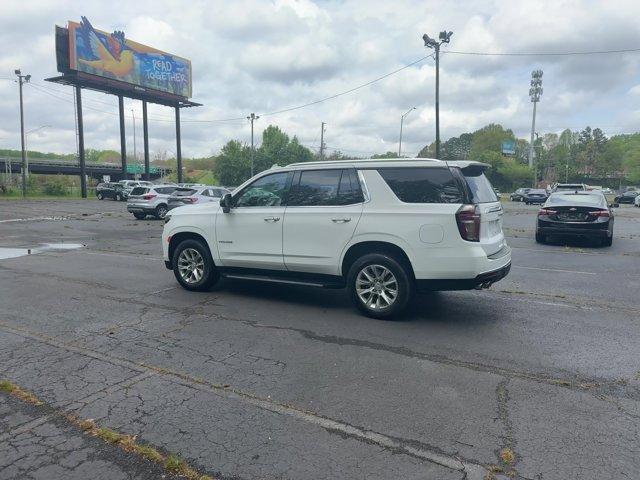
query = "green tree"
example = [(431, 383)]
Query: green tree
[(233, 165), (385, 155)]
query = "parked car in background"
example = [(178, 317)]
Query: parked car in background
[(584, 214), (608, 191), (535, 196), (497, 192), (152, 200), (381, 228), (189, 196), (636, 202), (131, 184), (573, 187), (114, 191), (518, 195), (627, 197)]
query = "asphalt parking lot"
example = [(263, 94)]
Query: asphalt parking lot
[(262, 382)]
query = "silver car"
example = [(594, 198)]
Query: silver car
[(196, 194), (152, 200)]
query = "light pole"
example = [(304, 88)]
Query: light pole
[(22, 79), (444, 37), (26, 145), (401, 122), (253, 117), (535, 91), (322, 129)]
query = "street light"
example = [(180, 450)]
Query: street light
[(401, 122), (22, 79), (443, 37), (535, 91)]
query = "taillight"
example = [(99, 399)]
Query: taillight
[(149, 196), (600, 213), (468, 219), (546, 212), (189, 200)]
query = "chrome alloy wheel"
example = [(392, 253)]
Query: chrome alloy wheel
[(376, 287), (191, 265)]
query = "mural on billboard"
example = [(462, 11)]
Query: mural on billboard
[(111, 55)]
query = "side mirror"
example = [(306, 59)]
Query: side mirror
[(225, 202)]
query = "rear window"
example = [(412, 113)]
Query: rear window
[(183, 192), (581, 199), (139, 191), (479, 186), (165, 190), (423, 185)]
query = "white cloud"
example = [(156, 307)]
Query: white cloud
[(256, 56)]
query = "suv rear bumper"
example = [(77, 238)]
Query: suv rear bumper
[(484, 280)]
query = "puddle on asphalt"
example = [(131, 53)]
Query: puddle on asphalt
[(6, 252)]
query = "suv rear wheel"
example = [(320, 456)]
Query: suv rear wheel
[(193, 266), (380, 286)]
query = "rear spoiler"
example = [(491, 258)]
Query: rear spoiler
[(469, 167)]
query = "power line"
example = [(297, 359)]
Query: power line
[(544, 54), (331, 97)]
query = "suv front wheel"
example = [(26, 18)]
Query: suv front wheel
[(193, 266), (380, 286)]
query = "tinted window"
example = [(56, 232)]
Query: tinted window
[(267, 191), (479, 185), (581, 199), (183, 192), (349, 191), (165, 190), (423, 185), (139, 191)]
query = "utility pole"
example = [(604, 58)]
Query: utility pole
[(23, 79), (252, 118), (535, 91), (444, 37), (401, 122), (135, 149), (322, 128)]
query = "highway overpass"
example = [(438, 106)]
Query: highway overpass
[(67, 167)]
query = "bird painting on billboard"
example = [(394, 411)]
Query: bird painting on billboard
[(113, 55)]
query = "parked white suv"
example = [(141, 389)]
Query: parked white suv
[(381, 228), (150, 200)]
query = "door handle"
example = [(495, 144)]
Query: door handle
[(271, 219), (340, 220)]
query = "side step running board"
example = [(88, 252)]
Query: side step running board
[(273, 279)]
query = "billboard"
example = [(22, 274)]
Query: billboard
[(111, 55), (509, 147)]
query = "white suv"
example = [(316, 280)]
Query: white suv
[(381, 228), (150, 200)]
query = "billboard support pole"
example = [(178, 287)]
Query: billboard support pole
[(123, 142), (83, 172), (178, 145), (145, 134)]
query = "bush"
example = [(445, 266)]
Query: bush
[(55, 187)]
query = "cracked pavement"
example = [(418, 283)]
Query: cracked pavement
[(256, 381)]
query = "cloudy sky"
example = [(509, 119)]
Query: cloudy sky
[(264, 56)]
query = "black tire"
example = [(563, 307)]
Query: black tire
[(161, 211), (210, 275), (541, 238), (405, 286), (526, 203), (139, 215), (607, 241), (100, 196)]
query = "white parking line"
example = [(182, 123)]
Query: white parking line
[(555, 270)]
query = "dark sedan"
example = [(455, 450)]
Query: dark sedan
[(535, 195), (518, 195), (582, 214), (627, 197), (115, 191)]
